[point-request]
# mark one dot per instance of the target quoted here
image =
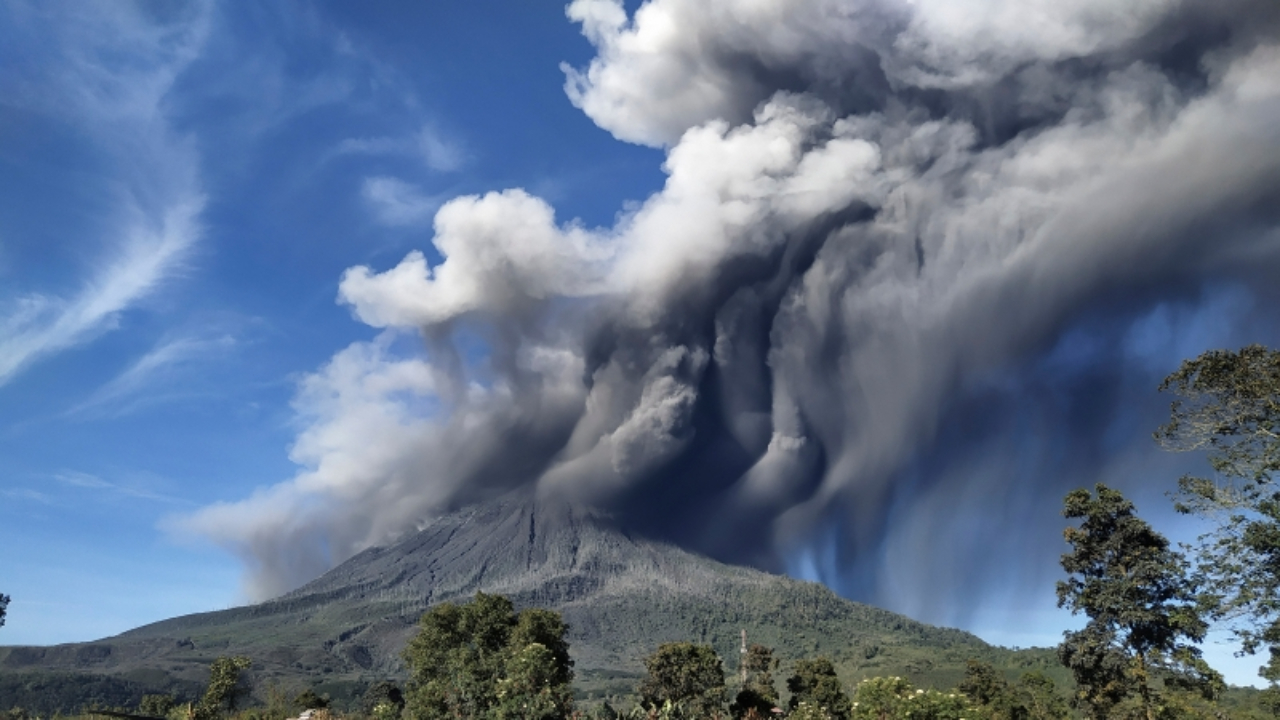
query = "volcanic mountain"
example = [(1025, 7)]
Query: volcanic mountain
[(621, 594)]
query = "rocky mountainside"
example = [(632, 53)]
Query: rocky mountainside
[(622, 596)]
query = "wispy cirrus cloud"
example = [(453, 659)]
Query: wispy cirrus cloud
[(438, 152), (42, 325), (107, 71), (154, 372), (88, 481), (396, 202)]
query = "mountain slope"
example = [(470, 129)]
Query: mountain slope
[(622, 596)]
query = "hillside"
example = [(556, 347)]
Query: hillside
[(622, 596)]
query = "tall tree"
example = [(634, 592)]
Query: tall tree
[(483, 660), (684, 674), (1229, 406), (814, 682), (225, 675), (1142, 610), (4, 607)]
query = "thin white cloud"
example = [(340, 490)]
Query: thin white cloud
[(156, 369), (436, 151), (397, 203), (153, 173), (43, 325), (87, 481)]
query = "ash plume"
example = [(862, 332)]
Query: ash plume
[(915, 272)]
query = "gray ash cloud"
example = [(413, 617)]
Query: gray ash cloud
[(915, 272)]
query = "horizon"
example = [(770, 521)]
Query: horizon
[(852, 291)]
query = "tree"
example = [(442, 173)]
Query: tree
[(815, 682), (892, 698), (383, 692), (464, 656), (224, 688), (1229, 406), (4, 607), (1142, 611), (758, 692), (988, 688), (1038, 697), (684, 674), (156, 705), (309, 700), (531, 688)]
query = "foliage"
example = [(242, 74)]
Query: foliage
[(1142, 611), (531, 688), (815, 682), (684, 674), (309, 700), (156, 705), (4, 607), (224, 688), (383, 692), (884, 698), (1229, 406), (758, 692), (1038, 698), (481, 660)]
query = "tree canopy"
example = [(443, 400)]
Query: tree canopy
[(483, 660), (1142, 609), (4, 607), (684, 674), (814, 682), (1228, 405)]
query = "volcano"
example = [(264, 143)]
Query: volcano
[(621, 594)]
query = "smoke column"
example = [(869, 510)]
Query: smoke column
[(914, 273)]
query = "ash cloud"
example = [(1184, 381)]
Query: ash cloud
[(915, 272)]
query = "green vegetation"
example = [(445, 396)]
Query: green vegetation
[(1229, 406), (627, 603), (758, 696), (4, 607), (1143, 611), (684, 675), (483, 660)]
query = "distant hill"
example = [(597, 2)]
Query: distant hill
[(621, 594)]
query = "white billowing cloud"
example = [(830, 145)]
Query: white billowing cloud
[(380, 451), (677, 64), (153, 180), (397, 203), (500, 251)]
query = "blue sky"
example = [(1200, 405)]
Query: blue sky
[(210, 359), (148, 369)]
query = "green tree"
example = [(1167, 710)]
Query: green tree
[(1142, 610), (686, 675), (383, 692), (155, 705), (758, 692), (224, 688), (309, 700), (814, 682), (894, 698), (987, 688), (532, 687), (463, 655), (1229, 406), (1039, 698), (4, 607)]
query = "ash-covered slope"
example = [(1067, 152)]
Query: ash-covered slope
[(621, 594)]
